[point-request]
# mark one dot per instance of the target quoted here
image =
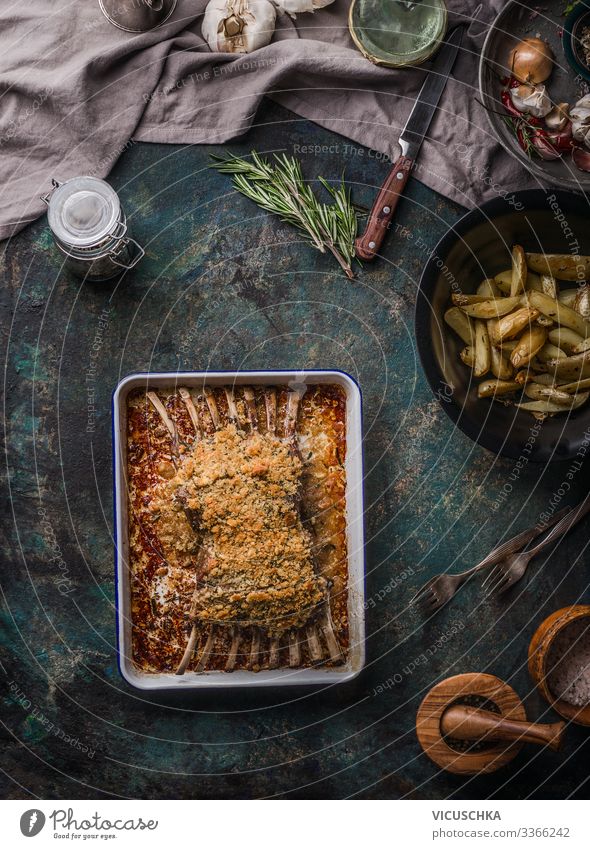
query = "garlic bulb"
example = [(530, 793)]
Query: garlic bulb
[(238, 26), (296, 7), (580, 118), (532, 100)]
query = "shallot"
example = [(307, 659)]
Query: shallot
[(531, 61)]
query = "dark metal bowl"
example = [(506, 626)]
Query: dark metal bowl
[(479, 246), (521, 19)]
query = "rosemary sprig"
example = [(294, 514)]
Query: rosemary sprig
[(279, 187)]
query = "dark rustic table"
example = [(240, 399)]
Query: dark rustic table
[(224, 286)]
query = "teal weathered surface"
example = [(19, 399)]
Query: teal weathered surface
[(224, 286)]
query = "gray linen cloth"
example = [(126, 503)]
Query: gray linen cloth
[(74, 91)]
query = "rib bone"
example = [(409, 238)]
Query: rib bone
[(327, 627), (207, 649), (233, 652), (313, 641), (212, 405), (294, 650), (192, 410), (251, 407), (163, 413), (188, 652), (255, 647), (270, 405), (273, 655)]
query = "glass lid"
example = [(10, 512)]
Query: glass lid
[(83, 211), (397, 32)]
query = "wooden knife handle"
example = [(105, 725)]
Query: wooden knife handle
[(468, 723), (368, 244)]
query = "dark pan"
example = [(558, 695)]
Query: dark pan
[(478, 246)]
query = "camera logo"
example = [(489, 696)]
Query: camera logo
[(32, 822)]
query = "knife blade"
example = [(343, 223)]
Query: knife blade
[(410, 140)]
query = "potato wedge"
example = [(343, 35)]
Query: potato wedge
[(460, 300), (576, 385), (550, 352), (487, 388), (511, 325), (543, 378), (552, 407), (508, 346), (529, 344), (541, 393), (571, 368), (493, 308), (489, 288), (461, 324), (468, 356), (562, 266), (503, 281), (499, 365), (565, 338), (544, 321), (523, 376), (483, 355), (583, 346), (562, 314), (519, 271)]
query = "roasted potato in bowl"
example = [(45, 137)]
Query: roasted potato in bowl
[(494, 317)]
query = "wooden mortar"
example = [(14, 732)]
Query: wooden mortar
[(538, 654), (445, 719)]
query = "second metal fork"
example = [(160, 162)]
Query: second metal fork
[(441, 588), (511, 570)]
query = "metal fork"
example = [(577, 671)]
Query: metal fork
[(507, 573), (440, 589)]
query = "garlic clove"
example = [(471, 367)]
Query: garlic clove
[(580, 118), (531, 100), (558, 118)]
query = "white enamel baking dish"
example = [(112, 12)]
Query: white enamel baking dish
[(354, 511)]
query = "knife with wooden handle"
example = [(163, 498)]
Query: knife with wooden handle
[(410, 140)]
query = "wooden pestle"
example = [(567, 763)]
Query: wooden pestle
[(464, 722)]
